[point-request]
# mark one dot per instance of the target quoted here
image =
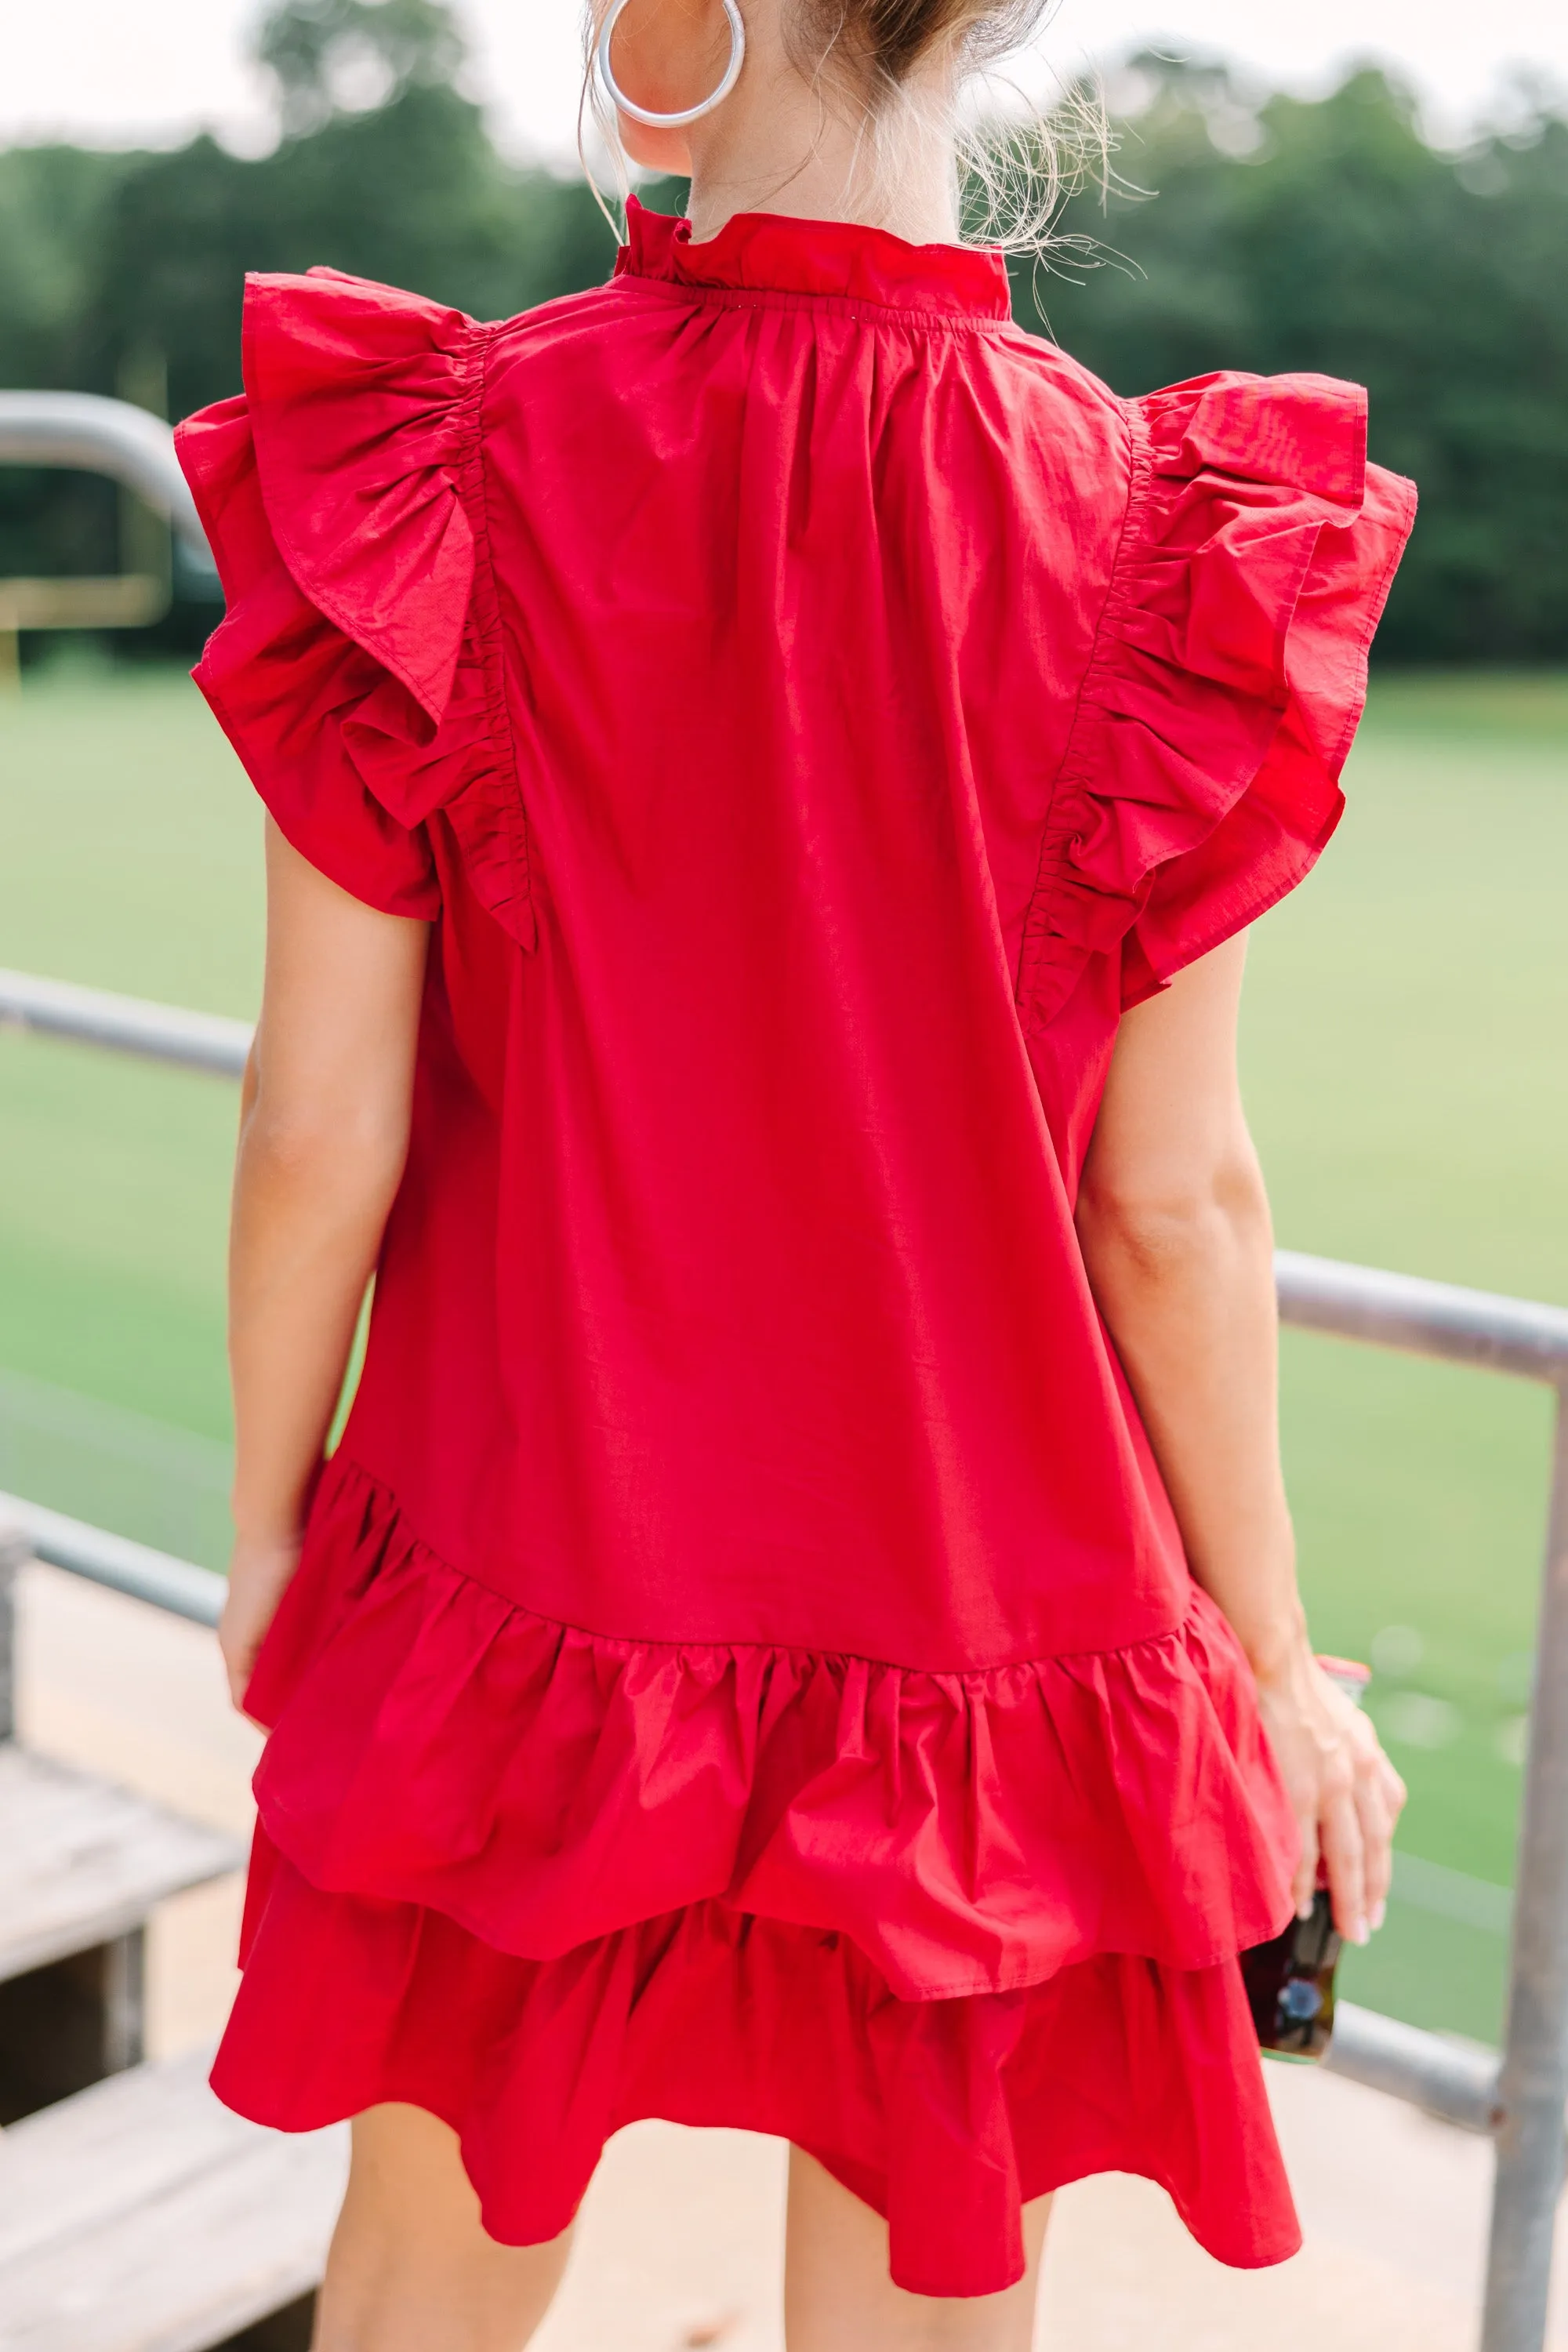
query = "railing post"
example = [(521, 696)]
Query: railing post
[(1533, 2090)]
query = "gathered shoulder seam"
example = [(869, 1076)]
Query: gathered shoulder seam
[(1079, 751), (510, 807)]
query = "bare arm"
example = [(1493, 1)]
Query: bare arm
[(323, 1136), (1176, 1236)]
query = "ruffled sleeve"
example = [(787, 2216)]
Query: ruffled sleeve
[(349, 671), (1201, 780)]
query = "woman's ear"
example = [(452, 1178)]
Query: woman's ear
[(666, 55)]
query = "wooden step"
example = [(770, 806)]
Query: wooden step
[(141, 2216), (82, 1861)]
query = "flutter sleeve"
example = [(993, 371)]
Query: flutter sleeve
[(346, 671), (1201, 780)]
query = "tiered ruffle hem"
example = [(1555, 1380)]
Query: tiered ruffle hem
[(962, 1936)]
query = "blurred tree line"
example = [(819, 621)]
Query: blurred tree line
[(1280, 235), (1330, 236)]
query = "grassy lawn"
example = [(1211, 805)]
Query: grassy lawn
[(1404, 1055)]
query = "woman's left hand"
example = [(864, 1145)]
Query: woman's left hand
[(1346, 1794)]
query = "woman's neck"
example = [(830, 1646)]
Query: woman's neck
[(779, 145)]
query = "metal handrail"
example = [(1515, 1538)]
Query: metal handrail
[(93, 435), (176, 1585), (126, 1025), (1530, 2091), (1455, 2081), (1519, 2098), (1427, 1318)]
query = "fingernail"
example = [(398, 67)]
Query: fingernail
[(1357, 1931), (1303, 1910), (1378, 1917)]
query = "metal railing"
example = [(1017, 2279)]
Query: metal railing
[(90, 434), (1517, 2097), (126, 1024), (1525, 2112)]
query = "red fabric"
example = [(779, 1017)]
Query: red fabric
[(743, 1666), (945, 2114), (543, 1786)]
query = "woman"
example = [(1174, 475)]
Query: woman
[(770, 768)]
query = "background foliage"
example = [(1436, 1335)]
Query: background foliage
[(1337, 240), (1279, 235)]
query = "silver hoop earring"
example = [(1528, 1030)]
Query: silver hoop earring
[(623, 105)]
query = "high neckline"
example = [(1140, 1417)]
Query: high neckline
[(776, 253)]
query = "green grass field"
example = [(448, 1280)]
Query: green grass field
[(1404, 1045)]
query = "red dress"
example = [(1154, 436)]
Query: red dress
[(744, 1666)]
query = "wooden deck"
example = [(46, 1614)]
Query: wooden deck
[(141, 2216), (83, 1862)]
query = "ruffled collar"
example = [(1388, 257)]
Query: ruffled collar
[(770, 253)]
